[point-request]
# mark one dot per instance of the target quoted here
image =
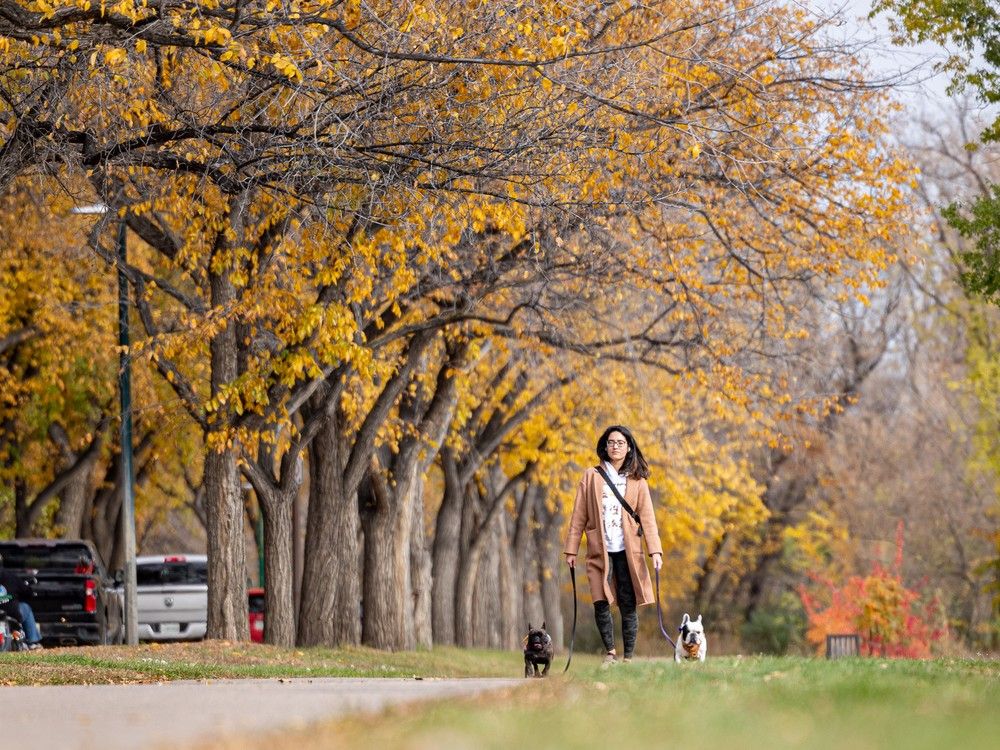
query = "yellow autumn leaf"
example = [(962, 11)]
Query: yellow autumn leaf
[(114, 56)]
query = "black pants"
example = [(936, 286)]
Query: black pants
[(625, 595)]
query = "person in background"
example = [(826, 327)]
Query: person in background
[(22, 612)]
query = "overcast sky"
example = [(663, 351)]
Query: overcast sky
[(925, 87), (923, 93)]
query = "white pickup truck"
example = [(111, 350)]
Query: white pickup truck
[(173, 597)]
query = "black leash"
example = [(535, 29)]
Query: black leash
[(635, 517), (572, 635), (659, 611)]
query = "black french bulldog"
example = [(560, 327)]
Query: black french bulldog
[(537, 651)]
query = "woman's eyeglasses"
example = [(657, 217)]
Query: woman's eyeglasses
[(617, 443)]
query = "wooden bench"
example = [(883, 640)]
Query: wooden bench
[(841, 645)]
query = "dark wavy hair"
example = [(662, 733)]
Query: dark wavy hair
[(634, 466)]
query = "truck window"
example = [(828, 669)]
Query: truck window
[(172, 573), (69, 558)]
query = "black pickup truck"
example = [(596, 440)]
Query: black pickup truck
[(73, 598)]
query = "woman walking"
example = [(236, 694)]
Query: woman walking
[(616, 569)]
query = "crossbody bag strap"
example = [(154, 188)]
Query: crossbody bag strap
[(617, 494)]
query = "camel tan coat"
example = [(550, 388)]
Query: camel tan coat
[(587, 520)]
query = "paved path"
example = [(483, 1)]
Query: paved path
[(177, 714)]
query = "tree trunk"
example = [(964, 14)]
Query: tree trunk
[(524, 573), (534, 609), (465, 588), (511, 604), (299, 498), (420, 570), (713, 571), (331, 587), (472, 592), (385, 595), (402, 489), (485, 618), (70, 486), (387, 612), (279, 621), (103, 516), (551, 567), (446, 553), (784, 499), (73, 504), (22, 523), (227, 587)]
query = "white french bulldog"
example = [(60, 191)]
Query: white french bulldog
[(692, 643)]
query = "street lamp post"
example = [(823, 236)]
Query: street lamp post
[(125, 397)]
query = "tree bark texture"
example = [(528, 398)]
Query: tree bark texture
[(534, 610), (552, 570), (473, 591), (227, 588), (420, 571), (484, 623), (446, 553), (73, 504), (523, 573), (103, 516), (385, 594), (509, 587), (279, 622), (331, 585)]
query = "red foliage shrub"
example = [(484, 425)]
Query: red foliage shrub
[(890, 618)]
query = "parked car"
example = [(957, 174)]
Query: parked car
[(256, 601), (73, 598), (173, 597)]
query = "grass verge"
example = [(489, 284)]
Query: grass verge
[(757, 702), (223, 660), (752, 702)]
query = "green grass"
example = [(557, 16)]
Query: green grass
[(728, 702)]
